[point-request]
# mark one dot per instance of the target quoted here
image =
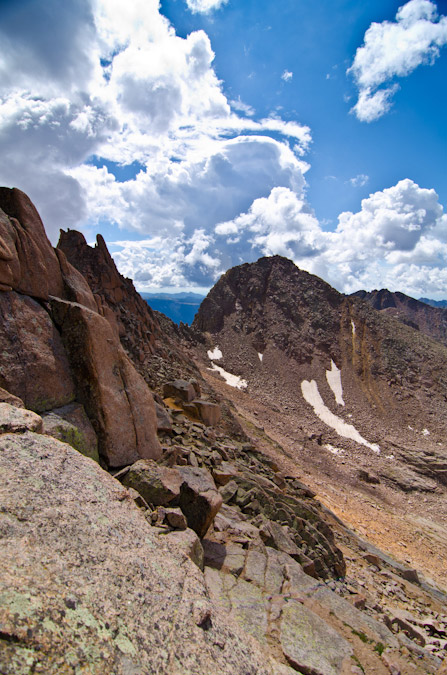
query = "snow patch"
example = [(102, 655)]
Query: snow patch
[(425, 432), (232, 380), (261, 356), (353, 328), (215, 354), (333, 449), (333, 377), (313, 397)]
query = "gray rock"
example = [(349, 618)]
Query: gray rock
[(311, 645), (158, 485), (88, 586)]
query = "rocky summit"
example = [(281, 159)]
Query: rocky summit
[(262, 493)]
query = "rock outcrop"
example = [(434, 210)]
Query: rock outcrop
[(114, 395), (115, 296), (28, 263), (57, 349)]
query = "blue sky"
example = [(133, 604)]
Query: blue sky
[(199, 134)]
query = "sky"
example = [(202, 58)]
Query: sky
[(196, 135)]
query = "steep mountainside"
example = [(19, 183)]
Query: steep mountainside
[(428, 319)]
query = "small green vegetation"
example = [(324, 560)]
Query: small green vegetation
[(379, 648), (361, 635), (357, 663)]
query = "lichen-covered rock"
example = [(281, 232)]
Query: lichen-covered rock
[(71, 425), (33, 362), (115, 397), (310, 644), (88, 586)]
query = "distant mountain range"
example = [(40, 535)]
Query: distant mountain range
[(434, 303), (180, 307)]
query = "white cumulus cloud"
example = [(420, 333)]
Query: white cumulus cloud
[(395, 49), (287, 75), (204, 6), (99, 81)]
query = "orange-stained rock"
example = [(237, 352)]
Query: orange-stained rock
[(28, 262), (33, 363), (116, 398)]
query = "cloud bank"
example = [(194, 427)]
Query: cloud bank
[(395, 49)]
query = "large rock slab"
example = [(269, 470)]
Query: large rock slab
[(87, 586), (33, 362), (28, 262), (310, 644), (115, 397)]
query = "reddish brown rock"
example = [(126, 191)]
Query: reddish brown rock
[(115, 296), (164, 418), (115, 396), (209, 413), (28, 262), (6, 397), (180, 390), (76, 288), (33, 363)]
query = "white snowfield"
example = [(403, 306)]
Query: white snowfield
[(232, 380), (261, 356), (313, 397), (333, 377), (353, 327), (215, 354)]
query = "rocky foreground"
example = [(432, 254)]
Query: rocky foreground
[(143, 529)]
